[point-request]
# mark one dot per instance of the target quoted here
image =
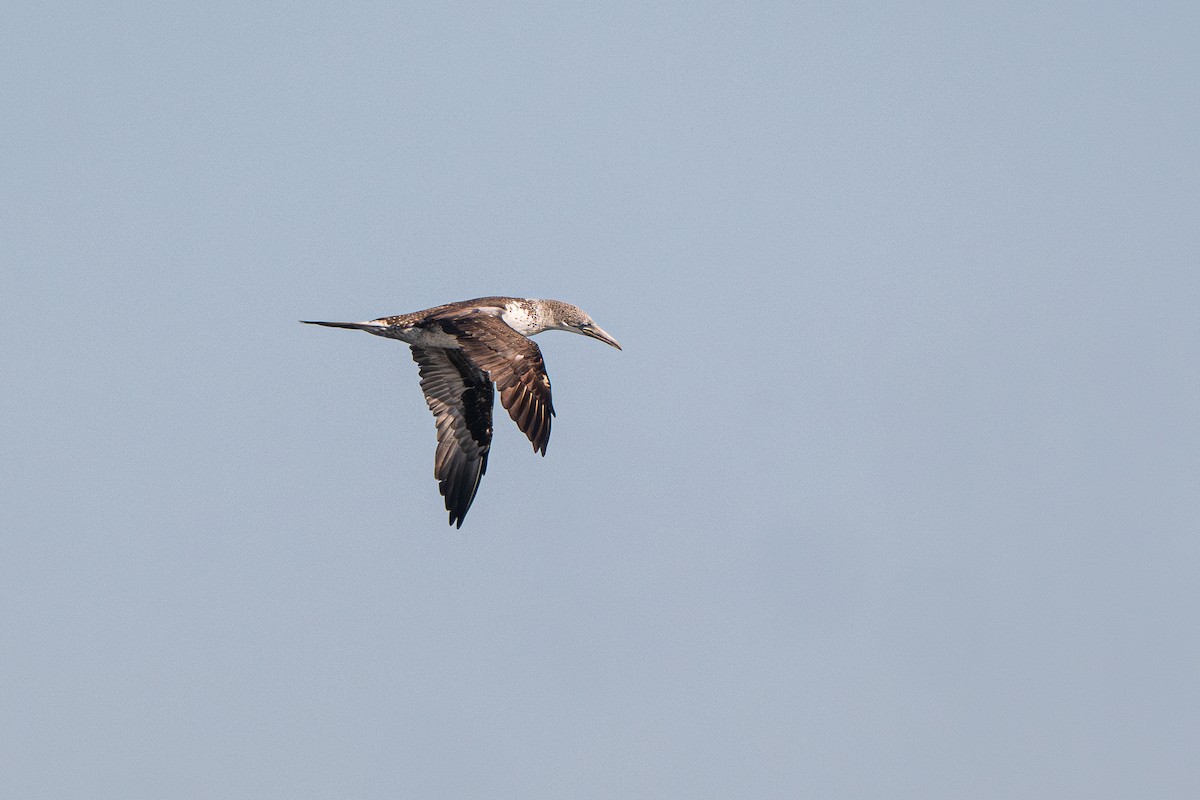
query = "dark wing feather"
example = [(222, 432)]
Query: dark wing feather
[(460, 396), (514, 363)]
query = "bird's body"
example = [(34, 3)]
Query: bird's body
[(467, 350)]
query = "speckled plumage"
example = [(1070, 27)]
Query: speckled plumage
[(464, 352)]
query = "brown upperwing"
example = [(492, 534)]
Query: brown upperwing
[(514, 364)]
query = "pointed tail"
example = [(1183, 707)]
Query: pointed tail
[(356, 326)]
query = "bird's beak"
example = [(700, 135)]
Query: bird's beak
[(596, 332)]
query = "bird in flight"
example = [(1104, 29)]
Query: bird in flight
[(465, 351)]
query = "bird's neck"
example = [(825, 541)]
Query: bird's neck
[(526, 317)]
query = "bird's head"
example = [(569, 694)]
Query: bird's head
[(575, 320)]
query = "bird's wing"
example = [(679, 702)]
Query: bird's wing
[(460, 396), (514, 364)]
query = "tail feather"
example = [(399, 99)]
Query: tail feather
[(356, 326)]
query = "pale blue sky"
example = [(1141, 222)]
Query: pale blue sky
[(892, 493)]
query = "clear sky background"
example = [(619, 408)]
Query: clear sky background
[(893, 493)]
